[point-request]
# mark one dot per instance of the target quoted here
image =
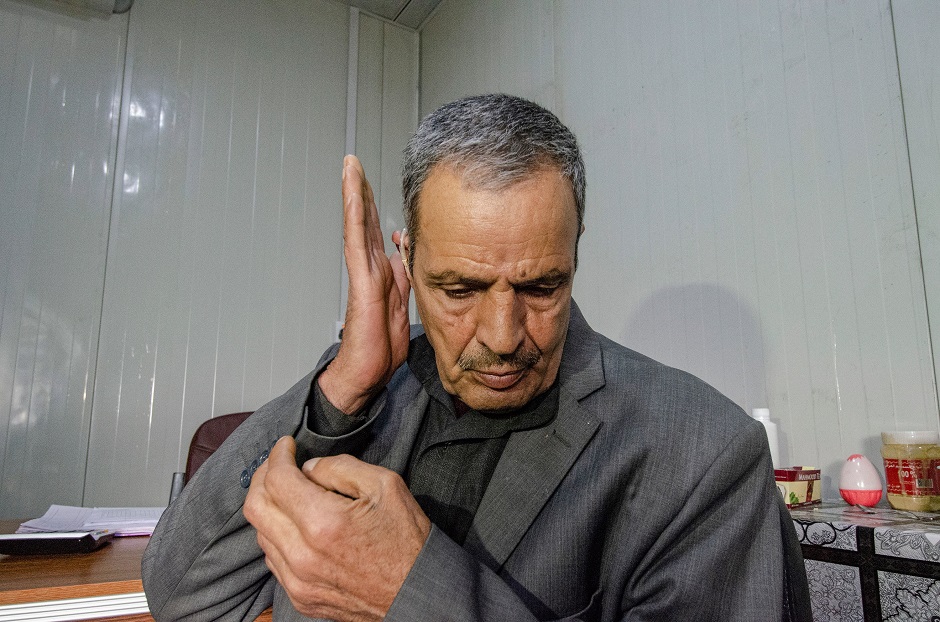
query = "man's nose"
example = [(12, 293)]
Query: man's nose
[(501, 322)]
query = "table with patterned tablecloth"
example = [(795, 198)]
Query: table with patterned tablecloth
[(867, 565)]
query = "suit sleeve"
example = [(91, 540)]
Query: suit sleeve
[(722, 555), (203, 561)]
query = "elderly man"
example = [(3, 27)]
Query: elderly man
[(504, 463)]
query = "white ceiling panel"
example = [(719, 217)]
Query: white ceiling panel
[(410, 13)]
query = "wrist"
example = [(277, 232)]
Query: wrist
[(342, 394)]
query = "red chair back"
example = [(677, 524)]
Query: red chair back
[(208, 437)]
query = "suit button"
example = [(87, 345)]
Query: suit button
[(264, 456), (245, 479)]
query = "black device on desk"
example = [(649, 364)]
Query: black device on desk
[(53, 543)]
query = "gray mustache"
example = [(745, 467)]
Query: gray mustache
[(483, 359)]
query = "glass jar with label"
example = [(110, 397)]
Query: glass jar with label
[(911, 460)]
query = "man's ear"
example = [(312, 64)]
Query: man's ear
[(405, 250)]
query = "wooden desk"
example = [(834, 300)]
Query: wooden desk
[(111, 570)]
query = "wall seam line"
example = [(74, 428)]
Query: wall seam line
[(917, 227), (116, 185)]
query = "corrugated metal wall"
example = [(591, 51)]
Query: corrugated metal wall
[(220, 284), (223, 269), (60, 87), (916, 24), (750, 210)]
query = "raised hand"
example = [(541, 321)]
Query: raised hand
[(375, 337), (340, 536)]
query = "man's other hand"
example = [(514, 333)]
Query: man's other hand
[(340, 536), (376, 332)]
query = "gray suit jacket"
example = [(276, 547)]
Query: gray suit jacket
[(650, 497)]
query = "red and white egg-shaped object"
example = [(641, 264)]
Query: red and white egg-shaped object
[(860, 483)]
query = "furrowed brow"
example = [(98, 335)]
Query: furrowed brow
[(452, 277), (552, 278)]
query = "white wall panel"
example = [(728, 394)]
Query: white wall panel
[(387, 111), (917, 23), (399, 119), (223, 272), (369, 101), (60, 79), (480, 46), (750, 214)]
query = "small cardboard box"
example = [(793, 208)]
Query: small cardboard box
[(799, 485)]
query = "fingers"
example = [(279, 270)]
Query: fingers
[(349, 476), (282, 505), (283, 462), (361, 217), (375, 342), (355, 219), (264, 507), (341, 540), (283, 452), (278, 494), (362, 233), (282, 484)]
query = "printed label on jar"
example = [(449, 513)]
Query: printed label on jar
[(913, 478)]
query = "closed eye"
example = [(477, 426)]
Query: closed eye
[(539, 291), (458, 293)]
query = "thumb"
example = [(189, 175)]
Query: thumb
[(307, 468), (283, 452)]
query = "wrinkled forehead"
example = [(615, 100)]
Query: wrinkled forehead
[(532, 215)]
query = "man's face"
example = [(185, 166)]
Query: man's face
[(492, 274)]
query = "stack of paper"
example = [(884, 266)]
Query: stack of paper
[(120, 521)]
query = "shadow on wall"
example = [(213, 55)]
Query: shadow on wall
[(709, 331)]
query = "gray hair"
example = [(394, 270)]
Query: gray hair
[(493, 141)]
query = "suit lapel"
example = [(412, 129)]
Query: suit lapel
[(400, 452), (535, 462), (530, 469)]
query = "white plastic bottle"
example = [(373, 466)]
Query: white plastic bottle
[(763, 415)]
